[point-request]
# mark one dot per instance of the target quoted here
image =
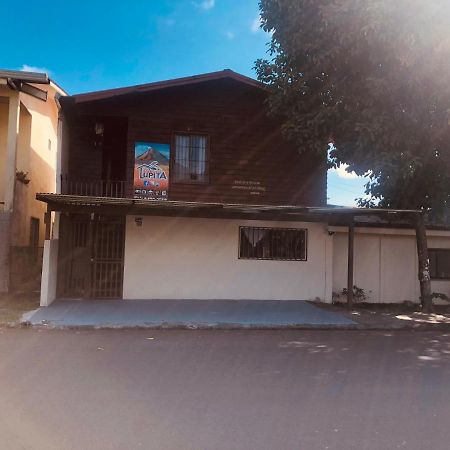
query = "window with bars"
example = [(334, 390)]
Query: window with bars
[(282, 244), (439, 263), (191, 159)]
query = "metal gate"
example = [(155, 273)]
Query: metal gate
[(91, 256), (107, 259)]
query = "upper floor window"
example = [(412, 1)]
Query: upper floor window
[(439, 263), (190, 163)]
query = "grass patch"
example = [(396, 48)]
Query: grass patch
[(13, 306)]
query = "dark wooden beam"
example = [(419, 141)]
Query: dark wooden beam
[(426, 299), (48, 223), (350, 261), (35, 92), (12, 84)]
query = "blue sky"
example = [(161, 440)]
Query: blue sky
[(98, 44)]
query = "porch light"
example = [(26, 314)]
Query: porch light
[(99, 128)]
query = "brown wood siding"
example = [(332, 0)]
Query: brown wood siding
[(85, 161), (249, 160)]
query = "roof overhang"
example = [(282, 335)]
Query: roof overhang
[(27, 77), (20, 81), (129, 206)]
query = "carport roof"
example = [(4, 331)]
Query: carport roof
[(87, 204)]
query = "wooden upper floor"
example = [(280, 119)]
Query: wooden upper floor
[(205, 139)]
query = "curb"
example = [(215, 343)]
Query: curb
[(237, 327)]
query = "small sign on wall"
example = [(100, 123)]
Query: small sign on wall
[(251, 187), (151, 170)]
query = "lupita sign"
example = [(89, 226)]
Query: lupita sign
[(151, 170)]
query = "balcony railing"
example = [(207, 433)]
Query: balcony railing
[(96, 188)]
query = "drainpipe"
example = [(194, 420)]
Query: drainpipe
[(351, 253)]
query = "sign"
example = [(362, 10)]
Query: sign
[(252, 187), (151, 170)]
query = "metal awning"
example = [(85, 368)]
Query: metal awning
[(110, 205), (350, 217)]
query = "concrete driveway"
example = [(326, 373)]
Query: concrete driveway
[(224, 390), (186, 313)]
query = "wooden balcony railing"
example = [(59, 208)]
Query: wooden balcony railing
[(96, 188)]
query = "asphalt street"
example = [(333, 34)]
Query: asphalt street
[(213, 390)]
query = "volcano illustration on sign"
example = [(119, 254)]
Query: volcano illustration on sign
[(151, 170)]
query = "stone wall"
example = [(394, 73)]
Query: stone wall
[(4, 251), (25, 269)]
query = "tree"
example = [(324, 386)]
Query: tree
[(373, 78)]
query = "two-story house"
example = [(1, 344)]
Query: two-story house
[(28, 155), (186, 189)]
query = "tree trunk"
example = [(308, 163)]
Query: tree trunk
[(424, 265)]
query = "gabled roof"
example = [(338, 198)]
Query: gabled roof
[(223, 74)]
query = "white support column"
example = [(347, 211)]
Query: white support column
[(329, 243), (49, 272), (11, 149), (59, 153)]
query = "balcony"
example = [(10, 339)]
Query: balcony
[(95, 188)]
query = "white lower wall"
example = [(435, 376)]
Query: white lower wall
[(386, 263), (186, 258)]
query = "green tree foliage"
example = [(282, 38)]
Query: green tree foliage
[(373, 78)]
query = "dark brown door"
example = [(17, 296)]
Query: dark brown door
[(91, 256)]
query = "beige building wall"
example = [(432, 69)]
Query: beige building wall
[(28, 144), (4, 108), (186, 258), (386, 264), (36, 154)]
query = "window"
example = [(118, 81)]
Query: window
[(439, 263), (191, 159), (285, 244)]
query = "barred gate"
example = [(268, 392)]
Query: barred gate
[(91, 256), (107, 259)]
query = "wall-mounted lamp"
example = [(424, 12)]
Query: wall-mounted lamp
[(138, 221), (99, 130)]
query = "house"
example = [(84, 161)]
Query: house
[(28, 150), (186, 189)]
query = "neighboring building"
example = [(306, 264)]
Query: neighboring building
[(385, 262), (28, 149), (186, 189)]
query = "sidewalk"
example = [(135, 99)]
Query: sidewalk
[(214, 314), (395, 316)]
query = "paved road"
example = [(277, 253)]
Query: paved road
[(213, 390)]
